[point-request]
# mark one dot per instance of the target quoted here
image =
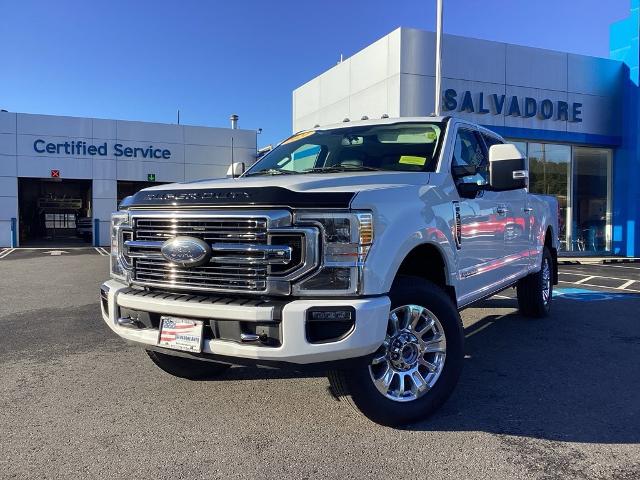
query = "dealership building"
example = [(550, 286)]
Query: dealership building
[(575, 116), (55, 171)]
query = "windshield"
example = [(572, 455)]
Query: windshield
[(409, 147)]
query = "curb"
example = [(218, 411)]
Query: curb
[(599, 262), (622, 260)]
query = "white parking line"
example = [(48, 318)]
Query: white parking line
[(589, 277), (7, 252), (101, 251), (626, 284), (488, 324), (585, 279)]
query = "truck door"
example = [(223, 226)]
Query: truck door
[(481, 245), (515, 229)]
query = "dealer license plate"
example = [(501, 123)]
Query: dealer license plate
[(180, 334)]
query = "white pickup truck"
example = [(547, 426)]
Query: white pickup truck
[(350, 246)]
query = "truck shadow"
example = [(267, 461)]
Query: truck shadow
[(573, 376), (570, 377)]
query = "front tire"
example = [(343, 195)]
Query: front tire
[(417, 367), (535, 291), (187, 368)]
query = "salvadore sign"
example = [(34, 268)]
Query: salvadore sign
[(82, 148), (511, 106)]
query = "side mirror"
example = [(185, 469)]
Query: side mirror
[(235, 170), (507, 168)]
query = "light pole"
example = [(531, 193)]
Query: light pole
[(437, 110)]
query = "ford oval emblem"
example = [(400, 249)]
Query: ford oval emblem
[(186, 251)]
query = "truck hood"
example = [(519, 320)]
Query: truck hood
[(330, 190)]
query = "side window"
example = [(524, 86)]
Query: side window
[(489, 141), (470, 152)]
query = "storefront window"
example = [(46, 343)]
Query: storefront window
[(549, 175), (580, 178), (590, 199)]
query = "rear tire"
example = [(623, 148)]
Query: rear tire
[(415, 370), (535, 291), (187, 368)]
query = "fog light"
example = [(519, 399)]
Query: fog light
[(329, 324)]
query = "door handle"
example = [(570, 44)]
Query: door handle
[(528, 210), (502, 210)]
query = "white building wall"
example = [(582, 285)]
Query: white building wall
[(396, 75), (196, 152), (365, 84), (8, 180)]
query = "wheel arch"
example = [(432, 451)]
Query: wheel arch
[(428, 261)]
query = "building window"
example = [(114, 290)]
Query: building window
[(549, 167), (591, 199), (580, 179)]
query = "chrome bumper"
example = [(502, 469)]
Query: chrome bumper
[(365, 338)]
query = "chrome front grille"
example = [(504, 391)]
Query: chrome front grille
[(249, 252), (229, 230), (219, 277)]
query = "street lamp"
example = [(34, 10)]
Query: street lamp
[(437, 110)]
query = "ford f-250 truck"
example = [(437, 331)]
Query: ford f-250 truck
[(352, 246)]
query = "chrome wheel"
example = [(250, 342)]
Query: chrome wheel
[(546, 281), (411, 359)]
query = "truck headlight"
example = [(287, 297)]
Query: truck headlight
[(119, 221), (346, 240)]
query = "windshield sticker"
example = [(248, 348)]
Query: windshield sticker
[(298, 136), (412, 160)]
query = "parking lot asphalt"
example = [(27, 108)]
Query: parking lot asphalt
[(551, 398)]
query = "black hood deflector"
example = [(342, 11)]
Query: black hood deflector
[(240, 197)]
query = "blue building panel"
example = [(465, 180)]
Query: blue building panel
[(624, 46)]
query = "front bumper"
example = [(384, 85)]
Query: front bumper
[(371, 316)]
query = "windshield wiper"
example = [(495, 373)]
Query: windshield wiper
[(271, 171), (342, 168)]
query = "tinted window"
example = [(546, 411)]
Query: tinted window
[(489, 141)]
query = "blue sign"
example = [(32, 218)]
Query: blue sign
[(511, 106), (80, 147)]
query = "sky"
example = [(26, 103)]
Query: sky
[(144, 60)]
